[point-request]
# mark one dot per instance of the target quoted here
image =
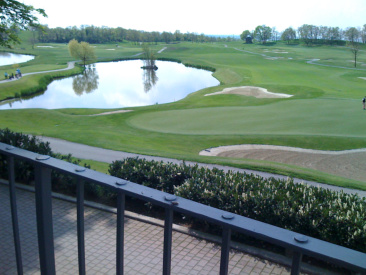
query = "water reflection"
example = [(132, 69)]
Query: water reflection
[(119, 85), (87, 82), (149, 79), (12, 58)]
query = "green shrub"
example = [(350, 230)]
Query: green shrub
[(335, 217), (24, 171)]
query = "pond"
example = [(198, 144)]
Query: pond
[(13, 58), (120, 84)]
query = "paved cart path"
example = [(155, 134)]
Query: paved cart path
[(105, 155), (70, 65)]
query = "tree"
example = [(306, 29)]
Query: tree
[(275, 34), (86, 82), (16, 16), (33, 39), (244, 35), (288, 35), (263, 33), (305, 33), (82, 51), (149, 58), (363, 34), (353, 36)]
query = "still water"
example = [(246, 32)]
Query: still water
[(118, 85), (12, 58)]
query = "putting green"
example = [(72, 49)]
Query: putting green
[(328, 117)]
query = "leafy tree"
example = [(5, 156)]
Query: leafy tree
[(263, 33), (81, 51), (149, 57), (86, 82), (288, 35), (33, 39), (245, 34), (309, 33), (363, 34), (275, 34), (334, 34), (16, 16), (353, 36)]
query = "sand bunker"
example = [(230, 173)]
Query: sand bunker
[(111, 113), (250, 91), (347, 163)]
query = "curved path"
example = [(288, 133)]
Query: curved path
[(70, 65), (105, 155)]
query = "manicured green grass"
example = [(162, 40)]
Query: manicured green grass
[(286, 117), (324, 113)]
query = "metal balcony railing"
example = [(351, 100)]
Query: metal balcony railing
[(299, 244)]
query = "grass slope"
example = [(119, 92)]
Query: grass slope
[(325, 112)]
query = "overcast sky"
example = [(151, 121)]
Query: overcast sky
[(222, 17)]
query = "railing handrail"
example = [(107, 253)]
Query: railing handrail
[(298, 243)]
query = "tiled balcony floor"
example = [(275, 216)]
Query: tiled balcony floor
[(143, 244)]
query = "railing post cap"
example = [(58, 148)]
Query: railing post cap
[(80, 169), (227, 216), (121, 182), (301, 239), (170, 198), (42, 157)]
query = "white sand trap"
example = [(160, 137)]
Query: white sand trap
[(347, 163), (251, 91), (364, 78), (110, 49), (45, 47), (111, 113)]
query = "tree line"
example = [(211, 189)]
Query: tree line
[(309, 34), (99, 35)]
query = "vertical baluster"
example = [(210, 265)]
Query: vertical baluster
[(14, 215), (225, 251), (168, 230), (120, 231), (44, 219), (80, 225), (296, 262)]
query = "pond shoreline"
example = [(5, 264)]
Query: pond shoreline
[(110, 85)]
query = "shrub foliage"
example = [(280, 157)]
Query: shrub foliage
[(24, 171), (335, 217)]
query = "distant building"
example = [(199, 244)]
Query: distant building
[(248, 40)]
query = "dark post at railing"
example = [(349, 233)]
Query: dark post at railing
[(44, 217), (80, 225), (14, 213), (225, 251), (168, 233), (299, 244), (120, 230), (296, 261)]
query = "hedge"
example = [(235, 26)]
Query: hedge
[(336, 217), (24, 171)]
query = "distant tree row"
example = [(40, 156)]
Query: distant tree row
[(97, 35), (309, 34)]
